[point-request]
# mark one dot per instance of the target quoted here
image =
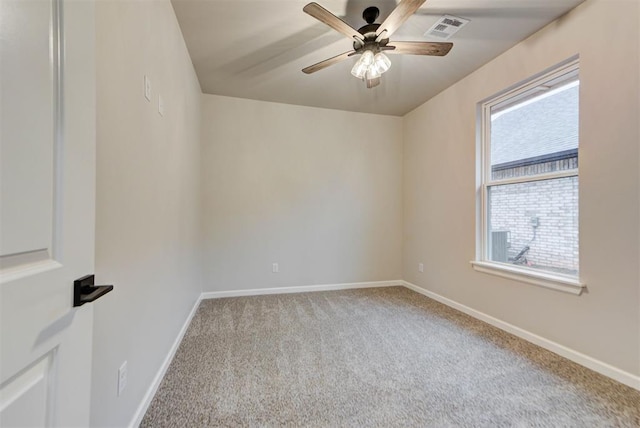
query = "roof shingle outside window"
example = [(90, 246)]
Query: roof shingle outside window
[(538, 129)]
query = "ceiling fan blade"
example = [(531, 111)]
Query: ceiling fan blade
[(418, 48), (327, 62), (323, 15), (401, 13)]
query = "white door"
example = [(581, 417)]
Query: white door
[(47, 186)]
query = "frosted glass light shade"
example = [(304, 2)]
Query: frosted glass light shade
[(381, 62), (370, 67), (367, 57), (359, 69), (373, 73)]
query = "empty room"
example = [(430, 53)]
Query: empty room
[(336, 213)]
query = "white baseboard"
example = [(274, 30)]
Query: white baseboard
[(298, 289), (608, 370), (153, 388)]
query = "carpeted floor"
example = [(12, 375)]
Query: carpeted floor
[(376, 357)]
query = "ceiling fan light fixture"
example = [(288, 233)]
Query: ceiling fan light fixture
[(381, 62), (373, 73), (367, 57), (370, 67), (359, 70)]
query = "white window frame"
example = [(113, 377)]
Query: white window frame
[(557, 75)]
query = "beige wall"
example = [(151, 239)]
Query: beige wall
[(440, 188), (317, 191), (147, 199)]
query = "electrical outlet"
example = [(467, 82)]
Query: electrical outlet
[(275, 268), (420, 267), (147, 88), (122, 378)]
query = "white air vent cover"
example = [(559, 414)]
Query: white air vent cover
[(446, 27)]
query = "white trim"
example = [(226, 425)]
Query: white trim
[(153, 388), (298, 289), (538, 177), (552, 74), (603, 368), (543, 279), (547, 92)]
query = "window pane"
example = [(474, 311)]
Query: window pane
[(535, 224), (536, 134)]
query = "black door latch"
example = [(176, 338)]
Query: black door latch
[(84, 291)]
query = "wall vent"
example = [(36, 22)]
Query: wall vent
[(446, 27)]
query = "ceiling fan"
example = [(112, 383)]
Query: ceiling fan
[(372, 40)]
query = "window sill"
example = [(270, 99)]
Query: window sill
[(543, 279)]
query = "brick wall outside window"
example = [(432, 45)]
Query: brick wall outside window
[(552, 205)]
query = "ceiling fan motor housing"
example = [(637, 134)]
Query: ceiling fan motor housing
[(369, 34)]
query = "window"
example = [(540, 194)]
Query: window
[(529, 181)]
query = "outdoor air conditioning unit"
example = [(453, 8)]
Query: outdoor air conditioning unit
[(499, 245)]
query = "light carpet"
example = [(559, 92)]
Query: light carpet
[(375, 357)]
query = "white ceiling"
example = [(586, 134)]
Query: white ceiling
[(257, 48)]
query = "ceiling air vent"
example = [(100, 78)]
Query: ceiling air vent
[(446, 27)]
